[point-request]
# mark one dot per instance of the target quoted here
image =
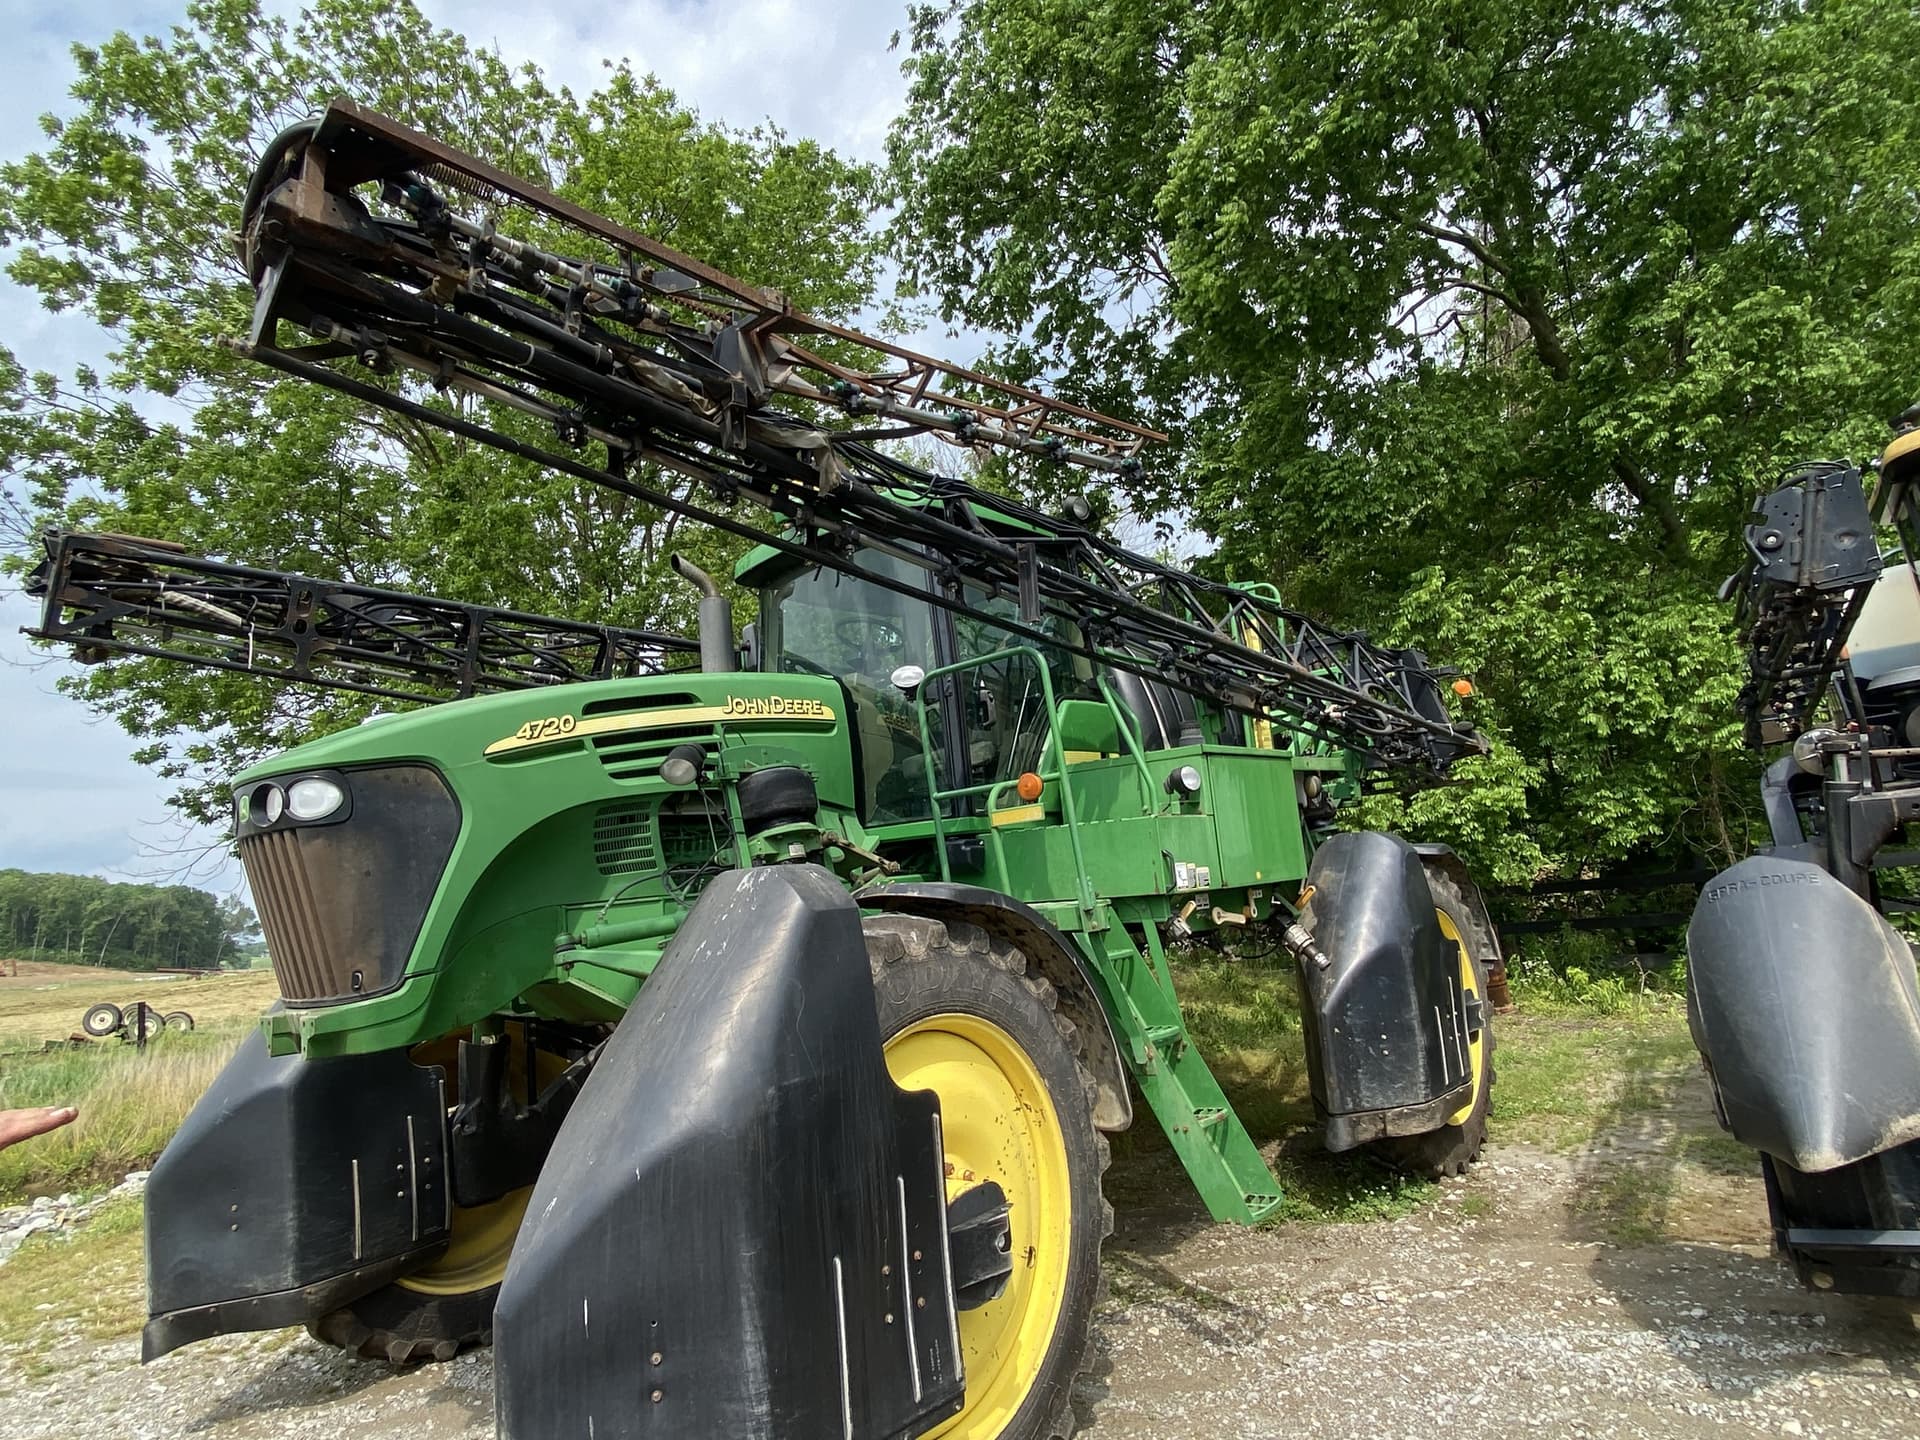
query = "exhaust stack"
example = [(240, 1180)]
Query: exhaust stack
[(717, 656)]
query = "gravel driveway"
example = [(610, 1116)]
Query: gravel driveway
[(1502, 1309)]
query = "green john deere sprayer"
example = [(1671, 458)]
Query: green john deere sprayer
[(730, 1028)]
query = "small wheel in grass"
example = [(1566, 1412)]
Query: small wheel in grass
[(102, 1020), (178, 1020), (151, 1022)]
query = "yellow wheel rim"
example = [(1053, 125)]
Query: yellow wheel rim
[(999, 1124), (476, 1256), (481, 1236), (1470, 990)]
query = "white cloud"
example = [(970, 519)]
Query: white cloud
[(822, 71)]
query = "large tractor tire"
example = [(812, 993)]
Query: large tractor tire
[(437, 1311), (960, 1015), (1450, 1149)]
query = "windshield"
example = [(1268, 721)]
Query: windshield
[(821, 622)]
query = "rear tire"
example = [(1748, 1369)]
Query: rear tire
[(405, 1327), (960, 1014), (1450, 1149)]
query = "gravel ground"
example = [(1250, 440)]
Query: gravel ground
[(1502, 1309)]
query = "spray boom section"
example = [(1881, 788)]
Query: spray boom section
[(397, 270)]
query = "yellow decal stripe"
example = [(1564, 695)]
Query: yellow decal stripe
[(1019, 815), (732, 713)]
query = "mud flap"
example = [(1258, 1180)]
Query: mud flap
[(1387, 1023), (1803, 1002), (294, 1187), (1855, 1229), (741, 1229)]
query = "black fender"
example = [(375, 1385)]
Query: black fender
[(1387, 1024), (1803, 1002), (293, 1187), (1048, 951), (742, 1227)]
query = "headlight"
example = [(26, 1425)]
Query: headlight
[(268, 803), (314, 798), (1184, 781)]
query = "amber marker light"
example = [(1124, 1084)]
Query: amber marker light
[(1027, 787), (1463, 687)]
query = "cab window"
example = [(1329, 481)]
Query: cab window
[(1007, 722), (822, 622)]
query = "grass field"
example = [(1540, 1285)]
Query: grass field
[(130, 1101), (1564, 1074), (93, 1283), (45, 1002)]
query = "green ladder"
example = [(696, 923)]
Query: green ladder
[(1219, 1155)]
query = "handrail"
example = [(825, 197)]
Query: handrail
[(1056, 772)]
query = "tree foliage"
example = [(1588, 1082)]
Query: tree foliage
[(83, 920), (128, 214), (1479, 321)]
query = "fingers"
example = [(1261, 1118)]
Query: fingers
[(18, 1125)]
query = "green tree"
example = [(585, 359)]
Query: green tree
[(239, 931), (1480, 323), (128, 214), (83, 920)]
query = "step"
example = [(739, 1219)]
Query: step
[(1220, 1158), (1225, 1165)]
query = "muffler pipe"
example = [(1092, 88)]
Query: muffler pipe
[(717, 655)]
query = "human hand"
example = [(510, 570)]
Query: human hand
[(18, 1125)]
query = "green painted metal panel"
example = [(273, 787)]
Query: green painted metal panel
[(531, 770), (1256, 817)]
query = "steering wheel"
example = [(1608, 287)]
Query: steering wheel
[(867, 633), (792, 664)]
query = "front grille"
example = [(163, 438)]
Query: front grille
[(623, 839), (341, 902), (289, 915)]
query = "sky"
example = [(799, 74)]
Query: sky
[(70, 798)]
